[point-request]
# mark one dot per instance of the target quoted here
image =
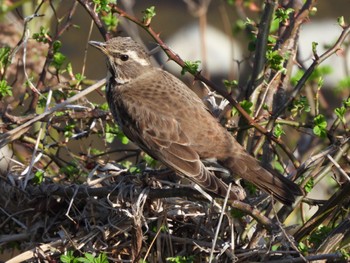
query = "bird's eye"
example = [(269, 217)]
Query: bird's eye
[(124, 57)]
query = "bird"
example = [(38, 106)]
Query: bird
[(168, 121)]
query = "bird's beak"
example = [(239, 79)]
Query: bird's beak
[(99, 45)]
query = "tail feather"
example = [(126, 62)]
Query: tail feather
[(248, 168)]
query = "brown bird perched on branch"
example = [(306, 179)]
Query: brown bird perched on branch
[(169, 121)]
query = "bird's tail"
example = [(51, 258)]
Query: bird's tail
[(248, 168)]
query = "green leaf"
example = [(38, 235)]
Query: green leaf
[(275, 24), (134, 169), (181, 259), (148, 14), (230, 83), (5, 89), (56, 46), (275, 247), (42, 101), (59, 113), (123, 139), (239, 26), (103, 5), (251, 188), (113, 132), (341, 21), (318, 236), (296, 77), (191, 67), (320, 82), (246, 105), (340, 112), (38, 177), (320, 125), (79, 77), (345, 253), (102, 258), (320, 72), (271, 41), (95, 151), (69, 257), (89, 257), (43, 36), (309, 185), (58, 60), (275, 60), (300, 106), (110, 137), (104, 106), (69, 130), (282, 15), (111, 21), (149, 160), (69, 68), (278, 131), (302, 247), (4, 57), (70, 170)]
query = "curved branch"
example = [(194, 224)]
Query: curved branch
[(95, 18)]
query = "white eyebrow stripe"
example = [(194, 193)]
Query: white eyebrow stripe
[(133, 55)]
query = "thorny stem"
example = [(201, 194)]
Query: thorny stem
[(261, 47), (95, 18)]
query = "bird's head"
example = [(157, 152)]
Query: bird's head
[(126, 59)]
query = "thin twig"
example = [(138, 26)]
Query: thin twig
[(261, 47), (20, 130), (218, 228)]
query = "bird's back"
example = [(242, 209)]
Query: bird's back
[(170, 98)]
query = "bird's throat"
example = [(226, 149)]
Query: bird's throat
[(114, 79)]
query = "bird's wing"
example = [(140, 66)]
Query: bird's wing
[(161, 136)]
